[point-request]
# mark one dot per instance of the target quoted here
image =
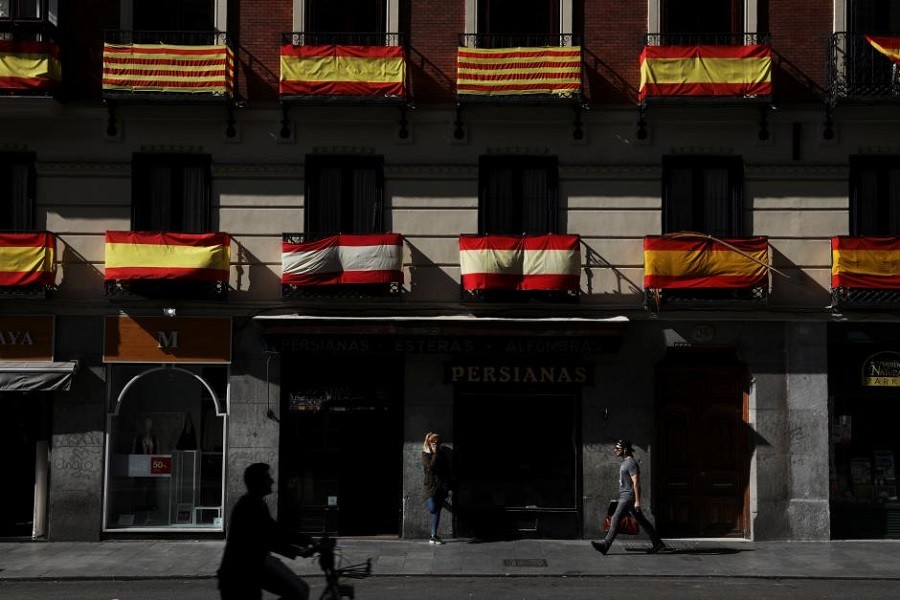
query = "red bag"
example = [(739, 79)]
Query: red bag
[(628, 525)]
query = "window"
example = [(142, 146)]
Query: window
[(517, 195), (874, 17), (702, 16), (174, 15), (875, 195), (17, 191), (350, 16), (703, 194), (28, 10), (518, 17), (344, 194), (170, 192)]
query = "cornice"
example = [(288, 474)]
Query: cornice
[(610, 172), (801, 172), (82, 169), (466, 172), (255, 171)]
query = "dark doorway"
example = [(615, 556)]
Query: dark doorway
[(517, 464), (701, 458), (341, 445), (25, 423), (702, 16)]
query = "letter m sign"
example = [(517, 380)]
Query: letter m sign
[(167, 340)]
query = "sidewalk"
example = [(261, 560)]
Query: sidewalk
[(556, 558)]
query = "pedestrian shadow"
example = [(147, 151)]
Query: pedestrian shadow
[(672, 549)]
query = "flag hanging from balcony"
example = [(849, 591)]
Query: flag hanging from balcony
[(26, 65), (518, 71), (343, 70), (887, 45), (342, 259), (26, 259), (865, 262), (701, 262), (514, 262), (737, 71), (158, 255), (167, 68)]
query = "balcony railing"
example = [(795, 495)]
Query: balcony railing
[(312, 38), (707, 39), (27, 264), (342, 265), (686, 269), (864, 68), (865, 272), (516, 40)]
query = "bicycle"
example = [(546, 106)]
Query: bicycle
[(325, 548)]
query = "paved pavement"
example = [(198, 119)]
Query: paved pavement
[(133, 559)]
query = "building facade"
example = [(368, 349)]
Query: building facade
[(309, 232)]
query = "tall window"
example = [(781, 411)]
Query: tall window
[(344, 194), (349, 16), (518, 17), (28, 10), (17, 190), (703, 194), (171, 192), (174, 15), (874, 16), (517, 194), (875, 195), (702, 16)]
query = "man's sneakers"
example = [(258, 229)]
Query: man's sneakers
[(436, 540), (600, 547), (657, 547)]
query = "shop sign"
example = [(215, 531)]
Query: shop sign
[(412, 344), (882, 370), (167, 340), (526, 373), (26, 338)]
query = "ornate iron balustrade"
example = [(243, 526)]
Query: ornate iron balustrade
[(178, 38), (857, 71), (27, 30), (313, 38), (843, 298), (745, 38), (656, 299), (166, 289), (513, 40)]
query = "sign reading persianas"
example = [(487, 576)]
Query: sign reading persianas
[(343, 70), (28, 65), (701, 70)]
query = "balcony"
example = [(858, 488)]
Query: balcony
[(27, 264), (516, 268), (693, 270), (167, 265), (29, 57), (865, 272), (693, 67), (864, 68), (518, 68), (342, 266), (167, 66)]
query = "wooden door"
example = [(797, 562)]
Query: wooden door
[(701, 457)]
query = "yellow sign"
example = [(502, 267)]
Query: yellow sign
[(882, 370)]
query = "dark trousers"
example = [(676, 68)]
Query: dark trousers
[(626, 504), (275, 577), (434, 504)]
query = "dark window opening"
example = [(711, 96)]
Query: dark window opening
[(517, 195), (173, 15), (171, 193), (350, 16), (23, 10), (873, 16), (875, 195), (703, 194), (17, 191), (521, 17), (344, 194), (702, 16)]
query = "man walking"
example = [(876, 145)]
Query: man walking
[(629, 500)]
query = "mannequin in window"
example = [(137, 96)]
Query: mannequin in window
[(145, 441)]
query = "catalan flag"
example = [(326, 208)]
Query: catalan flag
[(26, 259), (739, 71), (518, 71), (343, 70), (26, 65), (887, 45), (134, 255), (342, 259), (701, 262), (167, 68), (865, 262), (513, 262)]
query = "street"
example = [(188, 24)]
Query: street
[(484, 588)]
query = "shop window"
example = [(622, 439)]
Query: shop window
[(517, 195), (703, 194), (344, 194), (702, 16), (875, 195), (17, 189), (166, 443), (171, 193)]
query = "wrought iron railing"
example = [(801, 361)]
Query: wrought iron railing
[(312, 38), (861, 299), (513, 40), (178, 38), (857, 71), (745, 38)]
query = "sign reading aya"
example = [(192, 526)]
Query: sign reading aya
[(26, 338), (882, 370), (167, 340)]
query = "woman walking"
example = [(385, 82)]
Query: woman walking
[(436, 483)]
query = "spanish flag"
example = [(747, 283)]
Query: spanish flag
[(167, 68), (887, 45), (738, 71), (518, 71), (343, 70), (156, 255), (26, 259), (865, 262), (28, 65), (513, 262), (701, 262), (343, 259)]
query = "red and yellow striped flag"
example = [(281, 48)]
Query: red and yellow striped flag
[(515, 262), (28, 65), (343, 70), (157, 255), (706, 71), (887, 45), (168, 68), (865, 262), (705, 263), (27, 259), (518, 71)]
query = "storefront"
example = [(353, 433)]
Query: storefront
[(864, 391), (166, 412)]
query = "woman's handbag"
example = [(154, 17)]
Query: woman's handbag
[(628, 525)]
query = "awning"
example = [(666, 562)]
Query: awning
[(36, 376)]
